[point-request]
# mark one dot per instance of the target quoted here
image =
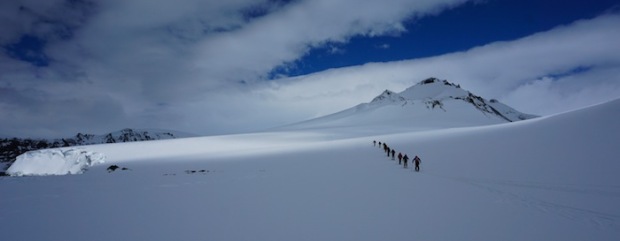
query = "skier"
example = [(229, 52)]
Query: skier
[(405, 159), (400, 158), (393, 154), (417, 161), (374, 143), (387, 150)]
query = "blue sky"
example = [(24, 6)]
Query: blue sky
[(466, 26), (216, 67), (463, 27)]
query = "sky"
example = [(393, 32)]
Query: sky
[(214, 67)]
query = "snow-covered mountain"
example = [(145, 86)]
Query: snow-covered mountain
[(430, 104), (548, 178), (129, 135), (10, 148)]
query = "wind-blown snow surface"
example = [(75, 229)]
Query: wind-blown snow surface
[(550, 178)]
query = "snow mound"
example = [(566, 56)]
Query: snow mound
[(54, 162)]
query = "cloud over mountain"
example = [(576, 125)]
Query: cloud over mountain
[(203, 66)]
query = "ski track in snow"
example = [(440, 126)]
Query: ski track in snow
[(603, 220), (601, 190), (500, 188)]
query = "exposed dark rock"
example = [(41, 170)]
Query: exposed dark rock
[(115, 167), (112, 168)]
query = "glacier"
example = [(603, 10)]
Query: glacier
[(550, 178)]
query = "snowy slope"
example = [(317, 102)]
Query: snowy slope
[(10, 148), (430, 104), (549, 178)]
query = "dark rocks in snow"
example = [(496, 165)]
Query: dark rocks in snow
[(388, 96), (436, 80), (432, 104), (196, 171), (190, 172), (80, 138), (429, 81), (113, 168)]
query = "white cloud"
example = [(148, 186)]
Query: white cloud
[(286, 35), (199, 66), (518, 72), (50, 19), (167, 63), (549, 95)]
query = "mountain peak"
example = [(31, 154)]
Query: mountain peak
[(429, 104), (433, 88), (387, 96), (433, 80), (435, 92)]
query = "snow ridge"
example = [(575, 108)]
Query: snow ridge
[(434, 92), (126, 135), (430, 104)]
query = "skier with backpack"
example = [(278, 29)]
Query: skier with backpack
[(417, 161), (400, 158), (405, 159)]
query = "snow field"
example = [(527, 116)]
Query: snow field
[(552, 178)]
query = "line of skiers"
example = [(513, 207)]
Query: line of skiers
[(402, 159)]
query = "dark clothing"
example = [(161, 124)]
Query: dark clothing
[(417, 161), (393, 154), (405, 159)]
